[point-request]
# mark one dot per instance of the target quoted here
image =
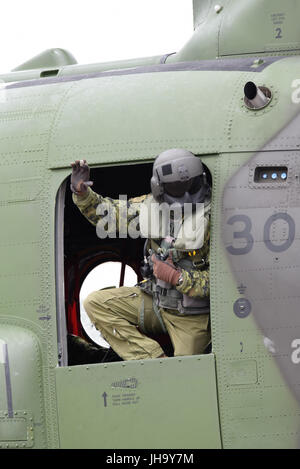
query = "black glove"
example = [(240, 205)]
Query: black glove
[(80, 177)]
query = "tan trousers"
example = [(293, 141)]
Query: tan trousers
[(121, 313)]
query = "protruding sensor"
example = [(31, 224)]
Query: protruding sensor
[(256, 97)]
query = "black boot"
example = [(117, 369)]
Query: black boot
[(81, 352)]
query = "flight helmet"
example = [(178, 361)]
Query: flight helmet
[(179, 177)]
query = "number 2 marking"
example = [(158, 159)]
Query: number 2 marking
[(279, 33), (296, 353)]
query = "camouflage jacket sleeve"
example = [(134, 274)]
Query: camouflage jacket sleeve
[(196, 281), (114, 214)]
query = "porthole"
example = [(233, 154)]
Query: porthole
[(104, 275)]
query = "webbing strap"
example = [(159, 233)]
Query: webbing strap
[(157, 312), (142, 316)]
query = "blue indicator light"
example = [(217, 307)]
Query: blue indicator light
[(271, 174)]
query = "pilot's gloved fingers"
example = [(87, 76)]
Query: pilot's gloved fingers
[(75, 165)]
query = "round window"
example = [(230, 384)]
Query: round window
[(104, 275)]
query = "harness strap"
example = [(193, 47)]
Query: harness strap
[(157, 312), (142, 317)]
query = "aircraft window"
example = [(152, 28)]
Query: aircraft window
[(107, 274)]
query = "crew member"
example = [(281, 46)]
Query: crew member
[(174, 296)]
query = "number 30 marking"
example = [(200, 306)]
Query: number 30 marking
[(244, 234), (247, 236)]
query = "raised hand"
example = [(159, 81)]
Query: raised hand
[(80, 177)]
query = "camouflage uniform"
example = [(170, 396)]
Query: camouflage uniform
[(125, 316)]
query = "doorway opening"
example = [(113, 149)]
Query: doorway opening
[(85, 263)]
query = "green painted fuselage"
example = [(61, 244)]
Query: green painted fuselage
[(125, 114)]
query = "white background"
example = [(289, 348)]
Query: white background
[(93, 30)]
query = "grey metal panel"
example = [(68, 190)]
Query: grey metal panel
[(263, 247)]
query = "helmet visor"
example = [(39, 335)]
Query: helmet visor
[(179, 188)]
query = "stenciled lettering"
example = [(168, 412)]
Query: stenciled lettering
[(296, 353), (248, 240)]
